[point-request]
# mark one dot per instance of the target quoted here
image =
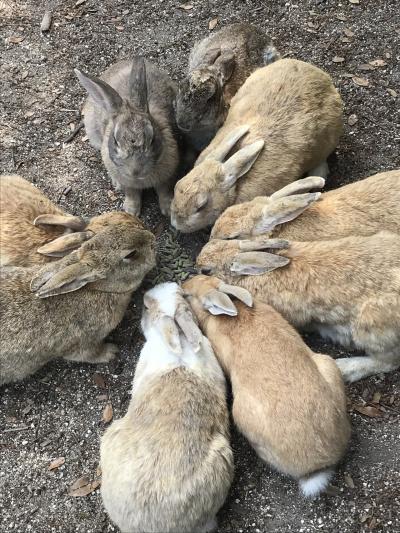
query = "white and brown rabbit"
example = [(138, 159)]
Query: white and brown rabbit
[(347, 289), (361, 208), (283, 123), (29, 220), (167, 464), (289, 402), (218, 66), (67, 308), (129, 116)]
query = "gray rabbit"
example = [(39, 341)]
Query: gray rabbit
[(66, 308), (129, 117), (218, 67)]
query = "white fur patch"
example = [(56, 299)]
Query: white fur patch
[(166, 295), (315, 484)]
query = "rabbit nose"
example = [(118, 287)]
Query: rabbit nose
[(205, 270)]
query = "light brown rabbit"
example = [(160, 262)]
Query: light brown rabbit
[(68, 307), (347, 289), (283, 122), (218, 66), (361, 208), (129, 116), (167, 464), (29, 220), (288, 401)]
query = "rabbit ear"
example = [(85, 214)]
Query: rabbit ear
[(225, 63), (218, 303), (170, 333), (241, 294), (68, 221), (186, 321), (299, 187), (262, 244), (65, 244), (256, 263), (283, 210), (210, 57), (62, 277), (138, 84), (240, 163), (103, 94), (224, 147)]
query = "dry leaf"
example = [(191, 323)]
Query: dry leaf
[(24, 75), (15, 39), (365, 66), (98, 378), (348, 32), (352, 120), (392, 92), (391, 400), (368, 410), (349, 481), (378, 63), (46, 21), (362, 82), (112, 196), (98, 471), (79, 2), (107, 413), (83, 486), (338, 59), (345, 40), (341, 17), (376, 398), (120, 28), (56, 463), (186, 7), (372, 523), (212, 24), (354, 1)]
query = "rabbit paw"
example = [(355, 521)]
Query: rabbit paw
[(133, 206), (108, 353), (165, 204)]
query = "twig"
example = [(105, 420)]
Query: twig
[(9, 430), (13, 156), (74, 133)]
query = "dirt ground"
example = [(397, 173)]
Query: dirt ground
[(58, 412)]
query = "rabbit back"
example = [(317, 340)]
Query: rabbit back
[(174, 448), (20, 203)]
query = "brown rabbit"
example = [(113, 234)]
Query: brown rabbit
[(129, 116), (218, 66), (361, 208), (67, 308), (167, 464), (29, 220), (288, 401), (347, 289), (283, 123)]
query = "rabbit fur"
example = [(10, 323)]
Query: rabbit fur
[(347, 289), (129, 116), (167, 464), (289, 402), (283, 123), (66, 308), (361, 208), (218, 66), (29, 220)]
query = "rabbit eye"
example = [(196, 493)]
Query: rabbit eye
[(131, 255)]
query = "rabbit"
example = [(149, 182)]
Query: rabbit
[(283, 122), (289, 402), (347, 289), (218, 66), (29, 220), (363, 208), (129, 116), (66, 308), (167, 465)]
